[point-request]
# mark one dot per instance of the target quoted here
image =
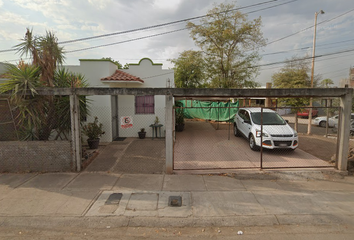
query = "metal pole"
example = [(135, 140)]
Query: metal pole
[(312, 71), (229, 118), (327, 116), (261, 137), (217, 128)]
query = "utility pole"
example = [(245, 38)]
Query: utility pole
[(312, 70)]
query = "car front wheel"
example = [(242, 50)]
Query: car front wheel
[(252, 143)]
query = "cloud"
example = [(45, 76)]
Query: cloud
[(72, 19)]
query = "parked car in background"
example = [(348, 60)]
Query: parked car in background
[(332, 121), (351, 130), (276, 131), (305, 113)]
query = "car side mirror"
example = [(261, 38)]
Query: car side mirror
[(248, 121), (287, 121)]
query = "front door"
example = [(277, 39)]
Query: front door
[(115, 117)]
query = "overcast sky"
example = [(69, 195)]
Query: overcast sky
[(75, 19)]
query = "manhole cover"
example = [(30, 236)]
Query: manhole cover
[(114, 198), (175, 201)]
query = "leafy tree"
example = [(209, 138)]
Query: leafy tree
[(230, 43), (295, 74), (189, 70)]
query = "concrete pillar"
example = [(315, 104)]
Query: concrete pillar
[(169, 134), (343, 148), (75, 131)]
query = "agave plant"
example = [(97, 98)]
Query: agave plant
[(65, 79)]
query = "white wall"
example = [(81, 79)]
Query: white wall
[(100, 106), (126, 107), (3, 69)]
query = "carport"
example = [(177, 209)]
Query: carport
[(186, 153), (202, 147)]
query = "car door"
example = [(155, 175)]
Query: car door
[(244, 121), (240, 120), (333, 121), (247, 124)]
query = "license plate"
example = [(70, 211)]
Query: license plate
[(283, 145)]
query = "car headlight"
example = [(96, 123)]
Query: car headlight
[(295, 134), (258, 134)]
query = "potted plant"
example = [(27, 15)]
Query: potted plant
[(142, 133), (157, 121), (179, 119), (93, 131)]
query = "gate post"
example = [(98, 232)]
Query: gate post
[(75, 130), (345, 117), (169, 134)]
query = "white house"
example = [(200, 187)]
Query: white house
[(124, 116), (3, 69)]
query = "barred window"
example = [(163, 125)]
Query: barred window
[(144, 104)]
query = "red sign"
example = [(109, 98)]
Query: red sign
[(126, 122)]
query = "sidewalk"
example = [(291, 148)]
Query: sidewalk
[(80, 199)]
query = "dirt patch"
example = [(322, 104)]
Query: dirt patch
[(318, 146)]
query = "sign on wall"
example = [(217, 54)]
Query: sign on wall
[(126, 122)]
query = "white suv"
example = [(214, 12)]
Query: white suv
[(276, 131)]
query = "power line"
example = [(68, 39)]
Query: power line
[(305, 48), (164, 24), (159, 25), (325, 21), (340, 70), (305, 58), (125, 41), (159, 34)]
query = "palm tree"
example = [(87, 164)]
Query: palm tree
[(326, 82), (45, 53)]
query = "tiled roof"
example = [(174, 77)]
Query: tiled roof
[(122, 76)]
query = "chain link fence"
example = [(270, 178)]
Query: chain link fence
[(310, 146), (203, 144), (134, 139), (35, 136)]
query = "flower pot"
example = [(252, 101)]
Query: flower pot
[(93, 143), (179, 127), (142, 135)]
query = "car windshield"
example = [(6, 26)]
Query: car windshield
[(269, 118)]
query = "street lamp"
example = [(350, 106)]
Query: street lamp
[(313, 69)]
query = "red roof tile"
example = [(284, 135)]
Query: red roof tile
[(122, 76)]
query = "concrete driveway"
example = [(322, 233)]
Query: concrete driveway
[(200, 146)]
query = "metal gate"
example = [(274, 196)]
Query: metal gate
[(205, 144)]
